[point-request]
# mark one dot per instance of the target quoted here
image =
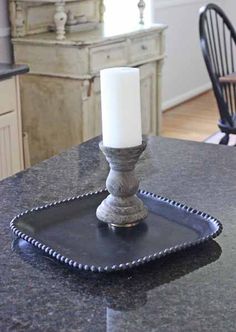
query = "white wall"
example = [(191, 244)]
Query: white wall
[(230, 9), (184, 72), (5, 47)]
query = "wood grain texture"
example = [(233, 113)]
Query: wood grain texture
[(193, 120)]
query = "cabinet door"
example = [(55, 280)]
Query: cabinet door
[(92, 124), (148, 98), (97, 107), (10, 157)]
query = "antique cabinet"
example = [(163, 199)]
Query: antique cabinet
[(61, 94)]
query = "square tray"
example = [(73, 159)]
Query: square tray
[(69, 231)]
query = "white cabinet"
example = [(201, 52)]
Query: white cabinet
[(91, 105), (11, 156)]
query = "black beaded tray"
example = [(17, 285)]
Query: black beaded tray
[(69, 231)]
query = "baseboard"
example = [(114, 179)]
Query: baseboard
[(185, 96)]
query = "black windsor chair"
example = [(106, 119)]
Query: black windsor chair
[(218, 44)]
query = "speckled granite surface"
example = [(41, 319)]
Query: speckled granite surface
[(189, 291), (8, 70)]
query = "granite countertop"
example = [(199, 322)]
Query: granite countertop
[(192, 290), (8, 70)]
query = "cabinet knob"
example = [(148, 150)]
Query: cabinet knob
[(144, 47)]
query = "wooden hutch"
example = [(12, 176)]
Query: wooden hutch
[(61, 95)]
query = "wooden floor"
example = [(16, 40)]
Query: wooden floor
[(193, 120)]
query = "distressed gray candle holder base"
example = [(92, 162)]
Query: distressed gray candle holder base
[(122, 208)]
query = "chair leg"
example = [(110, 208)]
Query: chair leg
[(224, 140)]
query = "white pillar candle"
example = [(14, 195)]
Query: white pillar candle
[(121, 110)]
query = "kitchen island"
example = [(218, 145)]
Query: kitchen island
[(193, 290)]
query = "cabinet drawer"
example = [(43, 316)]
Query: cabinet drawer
[(7, 95), (145, 47), (108, 56)]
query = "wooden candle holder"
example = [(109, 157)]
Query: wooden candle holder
[(122, 208)]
